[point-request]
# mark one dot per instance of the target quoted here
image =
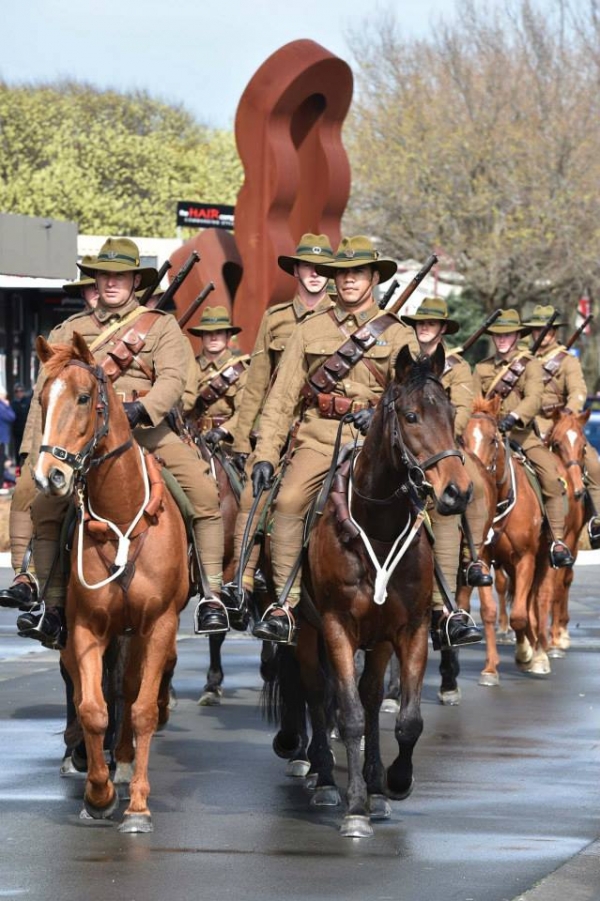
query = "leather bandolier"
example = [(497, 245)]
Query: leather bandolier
[(127, 348), (551, 368), (218, 386), (507, 379), (318, 388)]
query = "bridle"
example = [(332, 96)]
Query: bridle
[(82, 461)]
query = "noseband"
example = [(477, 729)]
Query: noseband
[(82, 461)]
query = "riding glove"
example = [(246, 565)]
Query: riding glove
[(239, 461), (362, 419), (262, 476), (136, 413), (507, 423), (213, 436)]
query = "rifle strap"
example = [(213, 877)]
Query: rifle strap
[(451, 361), (352, 351), (552, 366), (220, 384), (506, 380)]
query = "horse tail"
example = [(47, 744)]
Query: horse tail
[(283, 691)]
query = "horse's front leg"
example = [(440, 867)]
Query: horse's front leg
[(341, 652), (489, 612), (411, 648), (318, 753), (153, 651), (212, 691), (100, 798), (370, 689)]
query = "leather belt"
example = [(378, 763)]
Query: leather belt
[(335, 406), (127, 397), (205, 423)]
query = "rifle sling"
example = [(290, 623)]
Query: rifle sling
[(506, 380), (219, 385), (352, 351)]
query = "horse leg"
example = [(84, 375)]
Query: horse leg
[(310, 653), (100, 798), (411, 649), (391, 702), (501, 584), (489, 611), (167, 699), (370, 690), (144, 715), (352, 726), (539, 614), (449, 693), (73, 735), (212, 691), (522, 580)]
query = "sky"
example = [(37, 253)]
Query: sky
[(199, 53)]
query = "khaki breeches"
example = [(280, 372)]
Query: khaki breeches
[(553, 490), (477, 510), (592, 468), (20, 526), (446, 531), (246, 501)]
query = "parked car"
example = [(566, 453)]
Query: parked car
[(592, 427)]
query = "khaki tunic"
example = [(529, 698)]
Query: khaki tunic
[(458, 382), (225, 407), (567, 388), (276, 326)]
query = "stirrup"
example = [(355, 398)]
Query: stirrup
[(485, 575), (22, 578), (236, 606), (440, 633), (266, 635), (198, 630), (594, 535), (36, 632), (568, 560)]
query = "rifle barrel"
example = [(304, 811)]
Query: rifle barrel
[(185, 317), (427, 265)]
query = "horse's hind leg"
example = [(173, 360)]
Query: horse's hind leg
[(412, 652), (212, 691), (391, 702), (167, 699), (449, 693), (370, 688)]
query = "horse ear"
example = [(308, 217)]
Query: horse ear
[(438, 361), (496, 404), (404, 363), (82, 349), (43, 349), (584, 416)]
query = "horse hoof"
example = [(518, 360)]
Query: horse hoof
[(136, 822), (379, 807), (540, 666), (334, 735), (310, 783), (101, 813), (297, 768), (564, 639), (400, 795), (123, 773), (450, 698), (325, 796), (67, 769), (210, 698), (356, 827), (389, 705), (556, 653), (489, 680), (172, 699), (507, 637), (286, 752)]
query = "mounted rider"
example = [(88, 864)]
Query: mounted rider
[(354, 391), (143, 352), (564, 389), (517, 377), (277, 325)]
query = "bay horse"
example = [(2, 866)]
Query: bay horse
[(408, 457), (518, 544), (136, 587), (567, 440)]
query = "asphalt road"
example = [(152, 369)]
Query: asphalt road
[(506, 803)]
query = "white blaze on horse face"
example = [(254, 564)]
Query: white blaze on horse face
[(572, 436), (56, 389), (478, 440)]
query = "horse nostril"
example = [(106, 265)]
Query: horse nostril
[(57, 478), (451, 492)]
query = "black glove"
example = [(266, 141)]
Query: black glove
[(239, 461), (213, 436), (136, 413), (507, 423), (262, 476), (362, 419)]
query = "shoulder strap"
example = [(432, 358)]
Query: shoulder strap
[(103, 337), (338, 365), (451, 362), (552, 365), (126, 350), (506, 380), (219, 384)]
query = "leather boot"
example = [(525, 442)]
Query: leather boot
[(560, 555), (454, 630), (477, 575), (21, 595), (48, 625), (594, 532), (278, 625), (210, 617), (237, 605)]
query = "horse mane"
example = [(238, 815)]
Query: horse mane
[(419, 374), (61, 356), (489, 405)]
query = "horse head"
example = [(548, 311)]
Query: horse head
[(422, 429), (74, 413), (567, 440), (481, 435)]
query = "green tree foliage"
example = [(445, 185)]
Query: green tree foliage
[(114, 163)]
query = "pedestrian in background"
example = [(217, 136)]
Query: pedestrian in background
[(20, 405), (7, 417)]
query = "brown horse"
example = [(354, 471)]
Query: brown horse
[(409, 456), (567, 440), (518, 545), (137, 587)]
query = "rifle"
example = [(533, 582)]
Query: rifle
[(383, 302), (156, 304), (152, 288), (427, 265), (477, 335), (579, 331), (185, 318), (540, 338)]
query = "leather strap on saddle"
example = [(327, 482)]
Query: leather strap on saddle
[(352, 351), (506, 380), (102, 532), (219, 385)]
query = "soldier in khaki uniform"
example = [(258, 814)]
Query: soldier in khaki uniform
[(358, 268), (220, 376), (276, 327), (431, 322), (149, 386), (519, 408), (564, 389), (23, 593)]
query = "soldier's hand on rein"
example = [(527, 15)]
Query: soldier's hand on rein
[(136, 413), (213, 436), (239, 461), (362, 419), (507, 423), (262, 476)]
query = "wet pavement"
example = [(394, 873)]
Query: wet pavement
[(506, 803)]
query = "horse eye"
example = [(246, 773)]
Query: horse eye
[(411, 417), (83, 399)]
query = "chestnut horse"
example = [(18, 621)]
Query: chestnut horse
[(138, 587), (518, 545), (409, 456)]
